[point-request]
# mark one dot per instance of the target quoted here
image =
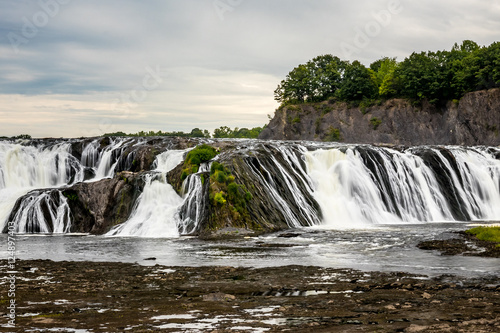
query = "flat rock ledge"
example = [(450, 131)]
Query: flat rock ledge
[(123, 297), (464, 244)]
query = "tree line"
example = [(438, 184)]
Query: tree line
[(221, 132), (434, 76)]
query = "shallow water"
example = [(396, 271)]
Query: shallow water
[(384, 248)]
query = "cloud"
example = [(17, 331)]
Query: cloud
[(85, 58)]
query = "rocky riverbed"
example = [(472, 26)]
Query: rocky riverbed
[(464, 244), (122, 297)]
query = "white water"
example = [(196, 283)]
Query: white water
[(155, 213), (480, 186), (300, 203), (101, 160), (352, 196), (355, 186), (25, 168), (31, 217)]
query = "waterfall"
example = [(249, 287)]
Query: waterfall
[(25, 168), (307, 184), (281, 172), (361, 185), (192, 206), (43, 212), (155, 212), (103, 160)]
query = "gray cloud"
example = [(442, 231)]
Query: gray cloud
[(85, 61)]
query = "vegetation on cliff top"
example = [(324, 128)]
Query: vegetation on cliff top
[(434, 76)]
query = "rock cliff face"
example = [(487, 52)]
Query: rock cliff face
[(474, 120)]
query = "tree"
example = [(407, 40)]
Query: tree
[(316, 80), (434, 76), (223, 132), (197, 133), (326, 75), (357, 83)]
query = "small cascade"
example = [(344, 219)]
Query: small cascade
[(361, 186), (283, 175), (25, 168), (42, 212), (103, 160), (155, 212), (192, 208), (29, 167), (475, 174)]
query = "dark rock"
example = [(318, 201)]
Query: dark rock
[(447, 247), (289, 235), (98, 206), (273, 204), (475, 120)]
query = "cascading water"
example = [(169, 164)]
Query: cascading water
[(103, 161), (344, 186), (43, 212), (280, 173), (155, 213), (361, 186), (25, 168)]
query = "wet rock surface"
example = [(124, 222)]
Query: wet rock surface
[(118, 297), (464, 244)]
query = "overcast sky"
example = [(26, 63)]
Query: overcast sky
[(71, 68)]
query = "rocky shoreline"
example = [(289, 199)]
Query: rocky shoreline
[(117, 297), (464, 244)]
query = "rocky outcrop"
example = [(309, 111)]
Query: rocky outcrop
[(89, 207), (474, 120), (98, 206), (260, 198)]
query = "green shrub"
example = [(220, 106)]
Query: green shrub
[(375, 122), (195, 157), (219, 198), (317, 124), (232, 188), (220, 176), (201, 154), (333, 134), (216, 166), (185, 173)]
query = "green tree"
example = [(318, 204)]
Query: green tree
[(488, 74), (384, 76), (434, 76), (358, 83), (326, 75), (223, 132), (197, 133)]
